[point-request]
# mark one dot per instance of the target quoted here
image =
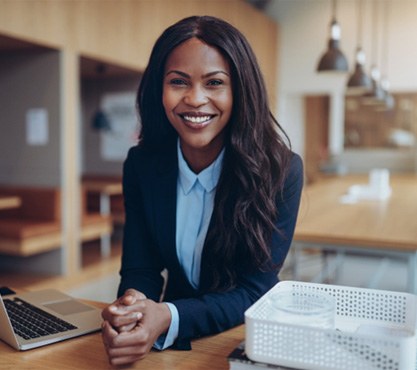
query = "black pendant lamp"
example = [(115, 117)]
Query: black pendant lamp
[(376, 96), (100, 120), (388, 99), (359, 82), (333, 60)]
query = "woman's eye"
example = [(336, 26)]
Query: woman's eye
[(177, 81), (215, 82)]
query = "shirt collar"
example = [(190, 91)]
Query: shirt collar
[(208, 178)]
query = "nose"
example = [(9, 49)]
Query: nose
[(196, 96)]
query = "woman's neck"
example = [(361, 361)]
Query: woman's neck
[(198, 160)]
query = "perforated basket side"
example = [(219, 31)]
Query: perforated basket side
[(323, 349), (306, 348), (363, 305)]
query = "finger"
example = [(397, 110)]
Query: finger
[(106, 313), (125, 328), (125, 317), (121, 309), (128, 320), (136, 337), (127, 354), (135, 293), (108, 330), (124, 360), (136, 351), (107, 333)]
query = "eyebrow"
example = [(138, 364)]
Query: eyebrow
[(204, 76)]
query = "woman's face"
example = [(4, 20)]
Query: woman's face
[(197, 97)]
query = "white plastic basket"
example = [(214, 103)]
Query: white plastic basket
[(374, 329)]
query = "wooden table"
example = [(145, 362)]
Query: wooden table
[(9, 201), (87, 352), (384, 227)]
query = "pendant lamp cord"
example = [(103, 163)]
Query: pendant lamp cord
[(375, 33), (359, 15), (384, 61), (334, 9)]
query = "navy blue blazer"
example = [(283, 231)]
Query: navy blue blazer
[(150, 188)]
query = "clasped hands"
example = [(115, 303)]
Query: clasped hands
[(131, 326)]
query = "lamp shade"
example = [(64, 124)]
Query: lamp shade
[(333, 59), (359, 81), (359, 78), (101, 122)]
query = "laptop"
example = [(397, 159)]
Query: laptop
[(38, 318)]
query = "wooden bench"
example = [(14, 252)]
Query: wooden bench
[(35, 226)]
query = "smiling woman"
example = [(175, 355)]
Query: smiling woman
[(197, 97), (211, 191)]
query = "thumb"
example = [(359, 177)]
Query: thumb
[(108, 332), (131, 296)]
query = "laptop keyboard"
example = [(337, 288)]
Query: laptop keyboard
[(31, 322)]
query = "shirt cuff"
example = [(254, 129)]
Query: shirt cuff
[(166, 340)]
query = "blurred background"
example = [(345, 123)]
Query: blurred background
[(340, 76)]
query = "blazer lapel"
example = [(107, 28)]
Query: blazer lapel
[(164, 198), (164, 195)]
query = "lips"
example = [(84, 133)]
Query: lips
[(197, 120)]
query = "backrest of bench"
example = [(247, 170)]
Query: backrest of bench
[(38, 203)]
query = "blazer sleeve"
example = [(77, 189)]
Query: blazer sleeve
[(212, 313), (141, 262)]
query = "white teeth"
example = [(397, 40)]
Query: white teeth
[(199, 119)]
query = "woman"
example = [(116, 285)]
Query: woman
[(211, 194)]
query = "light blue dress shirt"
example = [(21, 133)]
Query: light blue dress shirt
[(195, 201)]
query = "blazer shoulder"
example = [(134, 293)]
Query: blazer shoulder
[(295, 169), (296, 164), (146, 160)]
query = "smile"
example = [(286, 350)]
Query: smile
[(197, 119)]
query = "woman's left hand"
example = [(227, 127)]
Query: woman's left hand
[(121, 314), (126, 347)]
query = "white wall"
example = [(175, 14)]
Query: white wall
[(29, 80), (304, 26)]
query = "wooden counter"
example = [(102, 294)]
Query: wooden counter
[(384, 227), (88, 352)]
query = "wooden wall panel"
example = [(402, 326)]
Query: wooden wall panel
[(44, 22), (123, 32)]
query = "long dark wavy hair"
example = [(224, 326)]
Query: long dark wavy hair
[(257, 150)]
